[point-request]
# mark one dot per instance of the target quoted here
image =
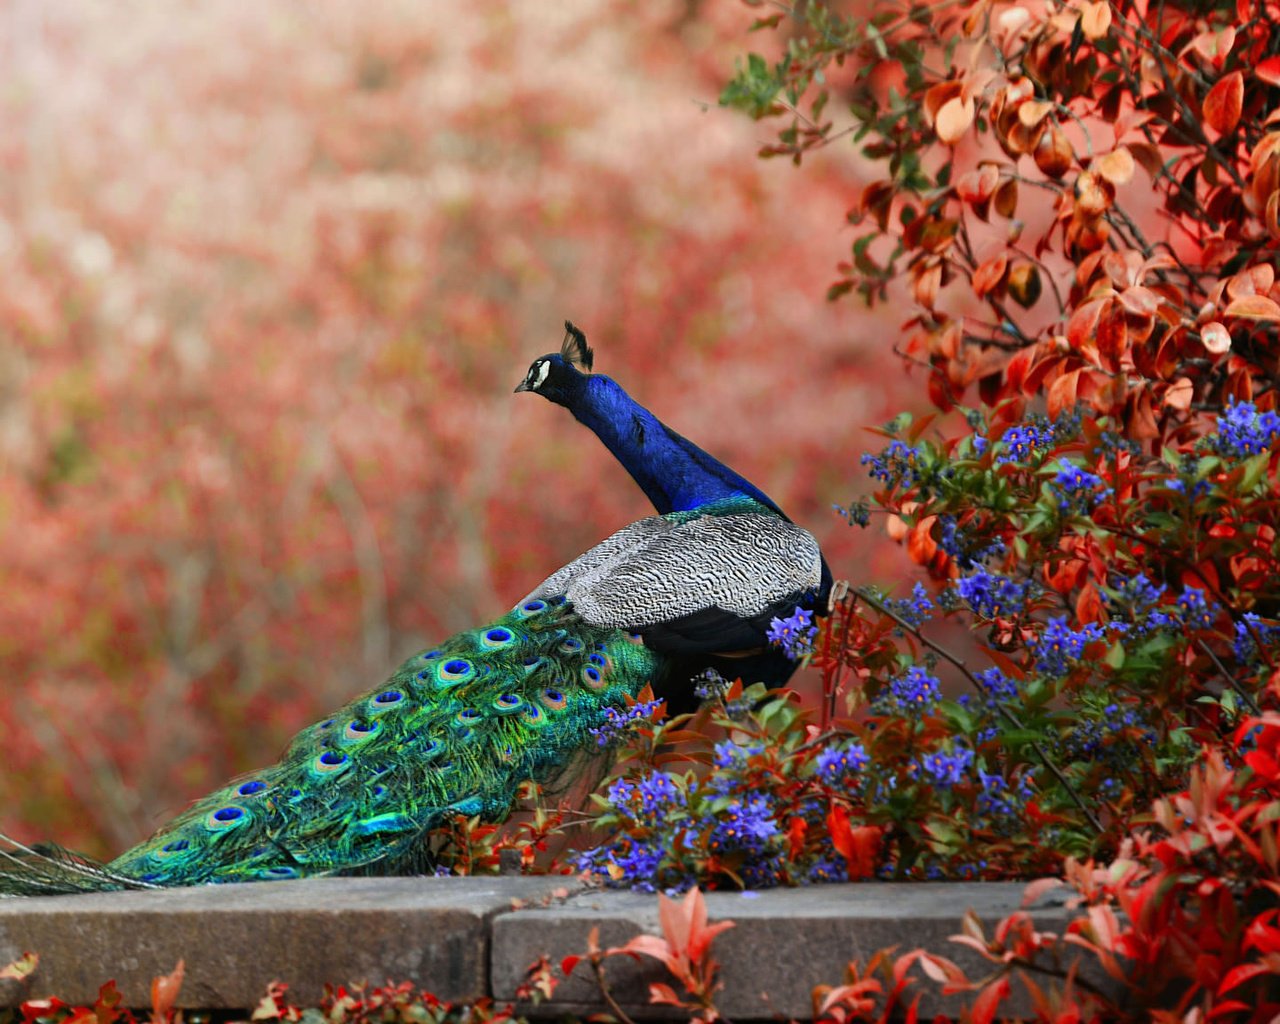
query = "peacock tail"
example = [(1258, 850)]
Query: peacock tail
[(455, 730), (458, 728)]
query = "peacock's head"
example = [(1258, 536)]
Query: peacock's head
[(556, 376)]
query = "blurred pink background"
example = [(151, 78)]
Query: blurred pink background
[(268, 274)]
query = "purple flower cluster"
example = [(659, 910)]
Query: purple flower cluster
[(1058, 647), (997, 687), (836, 763), (747, 825), (794, 634), (898, 464), (625, 861), (1135, 604), (653, 797), (1243, 431), (618, 722), (728, 755), (1111, 734), (965, 551), (711, 685), (1077, 489), (1245, 648), (915, 609), (991, 595), (913, 692), (1194, 610), (946, 768), (1020, 443), (1035, 436)]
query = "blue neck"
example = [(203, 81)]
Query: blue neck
[(674, 473)]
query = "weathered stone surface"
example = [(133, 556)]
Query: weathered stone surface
[(237, 938), (785, 941)]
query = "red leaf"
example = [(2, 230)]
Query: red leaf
[(1225, 101), (989, 1000), (1062, 393), (1269, 71)]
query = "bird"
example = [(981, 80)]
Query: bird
[(459, 727)]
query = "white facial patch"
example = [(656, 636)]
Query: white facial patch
[(544, 368)]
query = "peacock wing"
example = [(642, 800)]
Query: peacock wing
[(696, 582)]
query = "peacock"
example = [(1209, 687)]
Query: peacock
[(459, 727)]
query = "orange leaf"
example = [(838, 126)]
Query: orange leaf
[(1116, 166), (939, 95), (989, 274), (954, 119), (1033, 112), (920, 543), (1089, 604), (1053, 152), (1094, 194), (1180, 394), (1254, 307), (1024, 285), (164, 993), (1006, 198), (1215, 338), (1225, 101), (1096, 19)]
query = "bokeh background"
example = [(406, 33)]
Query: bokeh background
[(269, 272)]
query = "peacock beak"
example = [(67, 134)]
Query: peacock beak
[(522, 386)]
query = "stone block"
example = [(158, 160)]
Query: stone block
[(237, 938), (785, 942)]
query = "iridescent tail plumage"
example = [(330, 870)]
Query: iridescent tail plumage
[(455, 730)]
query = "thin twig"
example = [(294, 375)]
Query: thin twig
[(1231, 680), (597, 966)]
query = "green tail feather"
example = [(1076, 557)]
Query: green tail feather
[(454, 731)]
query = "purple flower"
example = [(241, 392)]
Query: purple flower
[(992, 595), (915, 609), (834, 763), (965, 550), (728, 754), (897, 464), (1243, 431), (794, 634), (658, 794), (1193, 609), (946, 768), (616, 721), (998, 688), (746, 825), (915, 692), (1077, 489), (1058, 647), (1246, 650)]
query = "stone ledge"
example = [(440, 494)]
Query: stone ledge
[(461, 938), (236, 939), (785, 942)]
